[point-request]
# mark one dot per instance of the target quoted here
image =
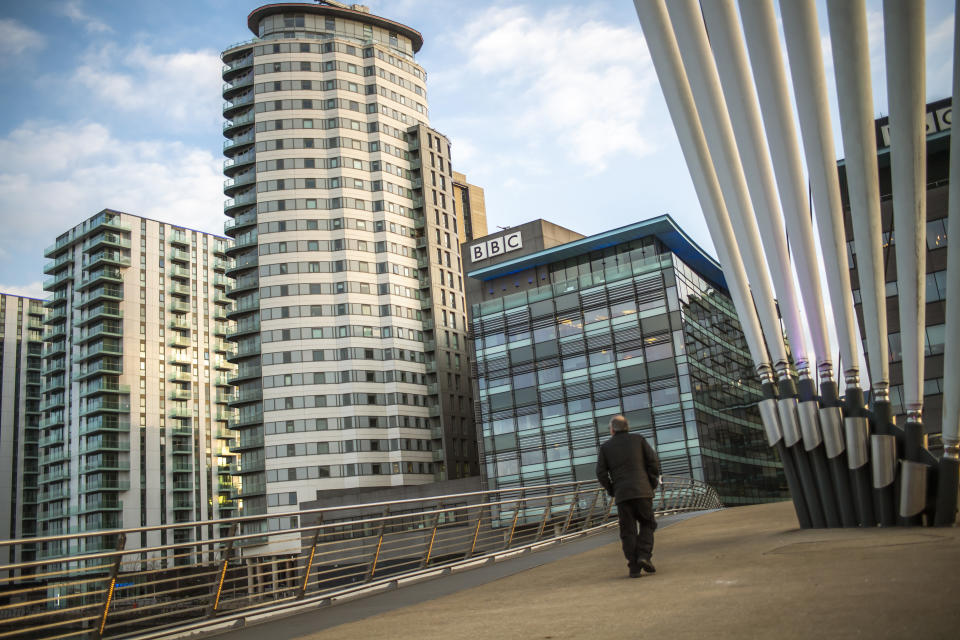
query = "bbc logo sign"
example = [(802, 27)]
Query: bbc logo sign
[(496, 247)]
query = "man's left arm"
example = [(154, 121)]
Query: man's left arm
[(603, 473)]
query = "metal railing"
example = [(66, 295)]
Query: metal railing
[(119, 588)]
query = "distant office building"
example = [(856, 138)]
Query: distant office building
[(21, 332), (571, 330), (136, 391), (938, 184), (471, 207), (350, 312)]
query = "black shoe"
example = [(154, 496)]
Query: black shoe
[(635, 574), (647, 566)]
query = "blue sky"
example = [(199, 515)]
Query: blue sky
[(553, 108)]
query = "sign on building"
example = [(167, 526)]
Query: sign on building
[(495, 247)]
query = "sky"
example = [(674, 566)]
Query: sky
[(552, 107)]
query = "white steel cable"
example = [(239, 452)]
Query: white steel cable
[(759, 24), (737, 86), (694, 49), (802, 38), (676, 89), (851, 62), (903, 27)]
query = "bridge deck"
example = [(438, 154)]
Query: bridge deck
[(744, 572)]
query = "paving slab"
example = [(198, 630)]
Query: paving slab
[(746, 572)]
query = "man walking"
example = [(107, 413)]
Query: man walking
[(628, 468)]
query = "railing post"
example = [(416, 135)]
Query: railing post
[(476, 534), (114, 571), (546, 516), (212, 610), (433, 537), (376, 553), (309, 566), (513, 525), (573, 504), (586, 521)]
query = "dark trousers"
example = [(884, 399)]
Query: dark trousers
[(634, 514)]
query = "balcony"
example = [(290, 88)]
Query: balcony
[(221, 380), (246, 420), (93, 445), (179, 394), (179, 290), (108, 256), (437, 455), (434, 411), (250, 395), (179, 357), (180, 341), (180, 376), (57, 280), (105, 424), (244, 373), (235, 103), (104, 465), (180, 412), (178, 255), (239, 201), (238, 64), (59, 263), (178, 237), (244, 328), (238, 121), (107, 239), (238, 141), (176, 271), (178, 307)]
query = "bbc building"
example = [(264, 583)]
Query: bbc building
[(572, 330)]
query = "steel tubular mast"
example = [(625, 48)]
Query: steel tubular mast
[(669, 67), (715, 112), (949, 468), (708, 97), (760, 31), (731, 58)]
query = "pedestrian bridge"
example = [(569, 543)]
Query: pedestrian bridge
[(121, 589), (746, 572)]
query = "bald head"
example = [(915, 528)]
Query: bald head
[(618, 424)]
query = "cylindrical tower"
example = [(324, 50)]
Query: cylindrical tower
[(337, 260)]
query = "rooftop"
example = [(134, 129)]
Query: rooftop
[(258, 14), (663, 227)]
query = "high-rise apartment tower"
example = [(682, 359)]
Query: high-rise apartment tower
[(136, 391), (350, 312), (21, 334)]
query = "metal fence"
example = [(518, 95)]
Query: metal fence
[(331, 553)]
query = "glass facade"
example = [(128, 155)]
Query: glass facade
[(628, 329)]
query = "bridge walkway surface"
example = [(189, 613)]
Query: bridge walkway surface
[(746, 572)]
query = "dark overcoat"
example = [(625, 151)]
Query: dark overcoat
[(628, 467)]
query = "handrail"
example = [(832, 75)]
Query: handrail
[(123, 589)]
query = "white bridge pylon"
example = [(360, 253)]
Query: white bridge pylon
[(847, 464)]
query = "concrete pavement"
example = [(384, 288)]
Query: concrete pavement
[(746, 572)]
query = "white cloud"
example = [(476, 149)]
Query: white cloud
[(32, 290), (16, 38), (73, 9), (178, 88), (62, 174), (560, 77)]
